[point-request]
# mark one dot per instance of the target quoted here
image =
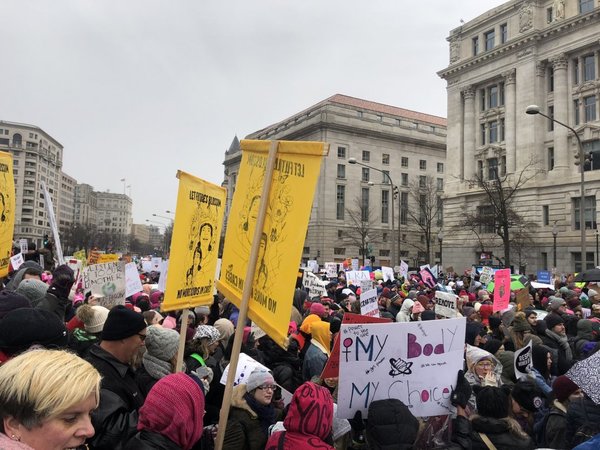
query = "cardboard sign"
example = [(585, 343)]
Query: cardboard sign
[(331, 269), (388, 273), (486, 275), (445, 304), (107, 281), (133, 283), (23, 246), (16, 261), (107, 257), (355, 276), (403, 269), (368, 303), (415, 362), (316, 287), (501, 289), (523, 361), (245, 366), (313, 265), (523, 300), (146, 266), (332, 367)]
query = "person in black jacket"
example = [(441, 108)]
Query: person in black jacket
[(115, 420), (57, 295)]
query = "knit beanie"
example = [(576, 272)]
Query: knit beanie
[(492, 402), (207, 331), (33, 289), (391, 425), (472, 331), (520, 322), (10, 300), (174, 408), (318, 309), (161, 343), (563, 387), (93, 317), (592, 293), (467, 311), (24, 327), (122, 323), (555, 303), (495, 322), (428, 315), (492, 345), (552, 320), (258, 377), (573, 302), (527, 395), (225, 328)]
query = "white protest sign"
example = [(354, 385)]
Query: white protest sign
[(156, 263), (146, 266), (445, 304), (415, 362), (76, 266), (523, 361), (244, 368), (331, 269), (313, 265), (354, 276), (435, 270), (366, 285), (388, 273), (133, 283), (355, 264), (313, 283), (23, 245), (473, 272), (403, 269), (162, 279), (368, 303), (106, 280), (17, 261), (53, 226), (486, 275)]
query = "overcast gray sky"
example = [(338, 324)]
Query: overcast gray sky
[(138, 89)]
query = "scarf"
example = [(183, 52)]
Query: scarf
[(265, 413), (563, 341), (156, 368)]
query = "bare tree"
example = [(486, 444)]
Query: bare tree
[(427, 213), (496, 212), (360, 231)]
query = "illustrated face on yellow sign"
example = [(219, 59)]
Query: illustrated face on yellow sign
[(7, 210), (195, 243), (282, 238)]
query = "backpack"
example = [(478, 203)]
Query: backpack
[(586, 431), (539, 428)]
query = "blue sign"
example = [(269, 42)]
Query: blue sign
[(544, 276)]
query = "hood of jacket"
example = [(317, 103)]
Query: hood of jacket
[(476, 354), (310, 412), (238, 400)]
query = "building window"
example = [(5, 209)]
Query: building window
[(503, 33), (384, 236), (364, 205), (475, 44), (365, 174), (386, 176), (493, 96), (423, 164), (404, 161), (383, 252), (501, 130), (339, 250), (385, 206), (551, 114), (366, 155), (422, 181), (403, 208), (589, 68), (359, 114), (440, 167), (576, 111), (306, 250), (589, 108), (493, 129), (492, 168), (486, 219), (483, 134), (440, 184), (385, 159), (577, 261), (503, 166), (341, 171), (340, 234), (593, 149), (480, 169), (549, 15), (490, 36), (342, 152), (404, 179), (550, 79), (589, 212), (545, 215), (340, 202), (586, 6), (550, 158), (575, 71)]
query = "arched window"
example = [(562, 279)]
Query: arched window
[(17, 140)]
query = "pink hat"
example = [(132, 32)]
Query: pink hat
[(318, 309), (169, 322), (417, 308)]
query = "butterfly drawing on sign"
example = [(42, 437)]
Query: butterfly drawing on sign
[(400, 367)]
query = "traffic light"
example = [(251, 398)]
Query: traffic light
[(46, 239)]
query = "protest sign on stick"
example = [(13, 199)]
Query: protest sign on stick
[(107, 281), (368, 303), (501, 289), (445, 304), (53, 225), (523, 361)]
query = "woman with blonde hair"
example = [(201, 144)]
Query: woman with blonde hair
[(46, 398)]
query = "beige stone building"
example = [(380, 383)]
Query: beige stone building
[(521, 53), (408, 146), (141, 233)]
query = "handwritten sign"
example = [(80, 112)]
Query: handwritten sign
[(16, 261), (501, 289), (427, 276), (355, 276), (107, 281), (355, 264), (523, 361), (403, 269), (156, 263), (313, 283), (368, 303), (388, 273), (331, 269), (445, 304), (415, 362), (133, 283), (486, 275)]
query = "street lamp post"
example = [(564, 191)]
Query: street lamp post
[(534, 109), (354, 161), (597, 263), (554, 234), (440, 237), (162, 217)]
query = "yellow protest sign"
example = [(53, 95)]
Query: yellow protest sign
[(290, 199), (80, 255), (195, 243), (107, 257), (7, 211)]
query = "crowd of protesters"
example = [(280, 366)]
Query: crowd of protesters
[(74, 373)]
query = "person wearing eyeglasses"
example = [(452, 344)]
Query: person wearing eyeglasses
[(484, 369), (116, 418), (252, 412)]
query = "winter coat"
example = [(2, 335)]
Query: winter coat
[(55, 304), (308, 422), (473, 356), (149, 440), (507, 359), (244, 431), (504, 434), (556, 427), (562, 358), (580, 412), (314, 362), (144, 380), (405, 311), (115, 419)]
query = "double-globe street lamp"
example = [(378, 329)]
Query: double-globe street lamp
[(534, 109), (387, 175)]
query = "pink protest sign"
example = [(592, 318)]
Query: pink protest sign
[(501, 289)]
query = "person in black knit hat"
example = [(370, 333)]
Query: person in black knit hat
[(115, 419)]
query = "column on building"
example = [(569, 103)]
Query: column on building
[(561, 112), (510, 137), (470, 134)]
